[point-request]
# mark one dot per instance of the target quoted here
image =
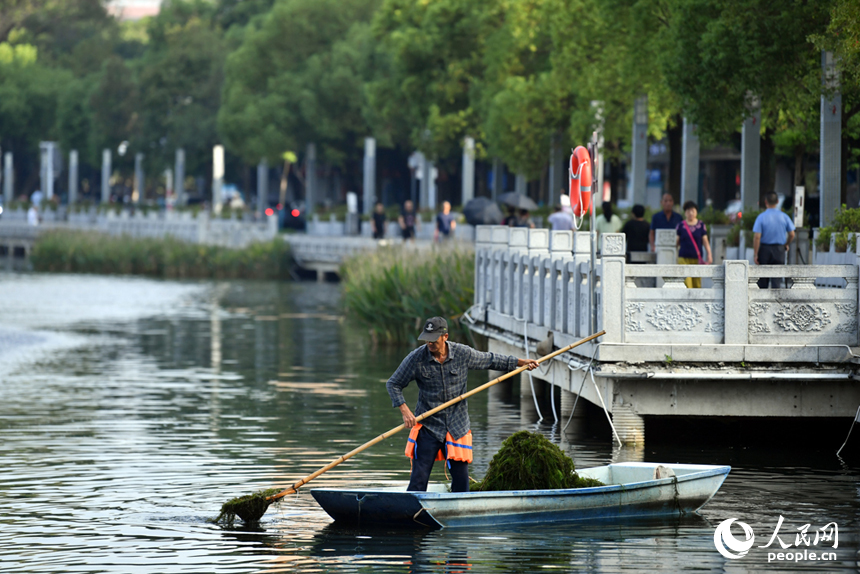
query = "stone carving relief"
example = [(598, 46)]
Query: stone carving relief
[(801, 318), (613, 244), (632, 325), (757, 325), (718, 325), (674, 317), (850, 312)]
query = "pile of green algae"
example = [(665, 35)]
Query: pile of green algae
[(528, 461)]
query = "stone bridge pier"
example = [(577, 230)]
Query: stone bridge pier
[(730, 349)]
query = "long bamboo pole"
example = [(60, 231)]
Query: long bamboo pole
[(294, 488)]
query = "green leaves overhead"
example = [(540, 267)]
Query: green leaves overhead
[(298, 77)]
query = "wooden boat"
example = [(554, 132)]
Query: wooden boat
[(633, 489)]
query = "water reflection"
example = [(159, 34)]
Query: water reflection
[(131, 409)]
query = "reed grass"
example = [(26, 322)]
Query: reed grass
[(87, 252), (393, 290)]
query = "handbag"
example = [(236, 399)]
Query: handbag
[(696, 247)]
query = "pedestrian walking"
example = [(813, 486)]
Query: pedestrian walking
[(608, 222), (773, 232), (666, 219), (377, 221), (445, 223), (692, 241), (638, 232), (559, 220), (408, 221)]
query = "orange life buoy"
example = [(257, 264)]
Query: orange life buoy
[(580, 181)]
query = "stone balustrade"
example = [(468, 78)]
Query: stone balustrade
[(537, 281), (233, 233)]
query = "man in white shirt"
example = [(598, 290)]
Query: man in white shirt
[(560, 221), (33, 215)]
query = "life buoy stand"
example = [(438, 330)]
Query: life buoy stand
[(580, 181)]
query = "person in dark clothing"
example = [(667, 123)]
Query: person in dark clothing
[(377, 221), (407, 221), (511, 218), (440, 369), (637, 231), (666, 219), (445, 223)]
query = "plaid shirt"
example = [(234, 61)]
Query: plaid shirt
[(439, 383)]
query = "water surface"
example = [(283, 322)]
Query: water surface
[(131, 409)]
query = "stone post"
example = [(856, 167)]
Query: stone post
[(613, 250), (736, 305), (639, 153), (690, 164), (500, 247), (750, 159), (139, 191), (217, 178), (369, 191), (664, 245), (560, 253), (106, 172), (310, 178), (483, 242), (498, 176), (468, 192), (179, 176), (263, 186), (425, 168), (831, 139), (518, 247), (46, 173), (578, 297), (539, 255), (8, 177), (73, 177)]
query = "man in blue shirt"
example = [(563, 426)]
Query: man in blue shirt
[(445, 223), (666, 219), (773, 231)]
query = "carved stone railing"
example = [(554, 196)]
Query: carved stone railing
[(534, 281)]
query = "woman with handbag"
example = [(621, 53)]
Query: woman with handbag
[(693, 244)]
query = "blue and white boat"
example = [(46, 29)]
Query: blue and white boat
[(633, 490)]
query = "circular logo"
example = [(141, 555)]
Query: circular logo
[(728, 545)]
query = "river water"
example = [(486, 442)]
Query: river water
[(131, 409)]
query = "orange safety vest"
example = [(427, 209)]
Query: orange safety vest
[(460, 449)]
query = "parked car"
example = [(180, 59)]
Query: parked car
[(290, 216)]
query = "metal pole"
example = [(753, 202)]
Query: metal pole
[(138, 178), (369, 192), (262, 186), (8, 177), (217, 178), (592, 311)]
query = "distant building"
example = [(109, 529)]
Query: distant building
[(133, 9)]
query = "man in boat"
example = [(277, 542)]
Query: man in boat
[(440, 369)]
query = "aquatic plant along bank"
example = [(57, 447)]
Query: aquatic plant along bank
[(392, 291), (167, 257)]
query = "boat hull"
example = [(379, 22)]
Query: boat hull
[(631, 492)]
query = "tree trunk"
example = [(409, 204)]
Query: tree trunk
[(675, 135), (799, 156)]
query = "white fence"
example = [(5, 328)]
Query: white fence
[(537, 281), (201, 229)]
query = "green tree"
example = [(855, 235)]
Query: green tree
[(180, 77), (298, 77)]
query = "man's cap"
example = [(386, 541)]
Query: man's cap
[(434, 328)]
